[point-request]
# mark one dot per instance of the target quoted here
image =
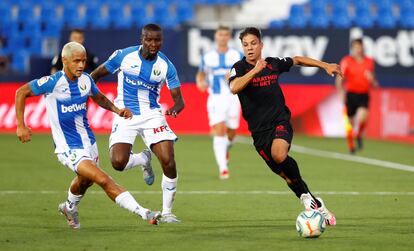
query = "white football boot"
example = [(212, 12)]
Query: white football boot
[(308, 202), (72, 216), (152, 216), (330, 218), (169, 218)]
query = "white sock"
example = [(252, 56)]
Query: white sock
[(136, 159), (220, 144), (72, 200), (125, 200), (169, 188)]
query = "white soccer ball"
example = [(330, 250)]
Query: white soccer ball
[(310, 224)]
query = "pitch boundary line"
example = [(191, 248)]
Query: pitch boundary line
[(219, 192), (341, 156)]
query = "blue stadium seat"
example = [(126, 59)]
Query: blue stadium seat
[(26, 12), (341, 20), (51, 29), (277, 24), (20, 61), (118, 17), (5, 12), (297, 18), (319, 21), (407, 19), (31, 27), (364, 20), (139, 14), (386, 19), (185, 12), (160, 12)]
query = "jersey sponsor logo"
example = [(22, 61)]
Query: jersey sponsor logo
[(280, 130), (157, 72), (264, 80), (232, 72), (42, 81), (139, 83), (73, 107), (160, 129)]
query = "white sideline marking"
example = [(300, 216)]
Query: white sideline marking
[(225, 192), (341, 156)]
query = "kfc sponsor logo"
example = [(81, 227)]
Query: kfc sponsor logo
[(160, 129)]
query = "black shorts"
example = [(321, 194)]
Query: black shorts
[(263, 142), (354, 101)]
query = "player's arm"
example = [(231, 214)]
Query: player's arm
[(178, 102), (23, 132), (105, 103), (201, 81), (239, 83), (99, 73), (331, 69)]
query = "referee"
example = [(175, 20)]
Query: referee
[(255, 81)]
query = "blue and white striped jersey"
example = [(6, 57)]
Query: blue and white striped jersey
[(140, 80), (216, 65), (66, 108)]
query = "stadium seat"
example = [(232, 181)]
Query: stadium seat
[(297, 18), (277, 24), (341, 20), (407, 20), (184, 11), (118, 16), (20, 61), (5, 12), (386, 19), (364, 20), (319, 19)]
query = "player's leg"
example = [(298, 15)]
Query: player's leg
[(90, 171), (349, 113), (164, 151), (76, 192), (220, 147), (232, 121), (361, 118), (120, 142), (216, 108)]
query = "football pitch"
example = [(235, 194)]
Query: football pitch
[(253, 210)]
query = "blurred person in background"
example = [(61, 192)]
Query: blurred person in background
[(76, 35), (353, 89), (222, 106)]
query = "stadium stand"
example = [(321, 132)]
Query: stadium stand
[(28, 26)]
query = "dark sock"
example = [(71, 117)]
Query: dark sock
[(291, 170)]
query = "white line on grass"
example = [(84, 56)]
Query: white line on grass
[(341, 156), (219, 192)]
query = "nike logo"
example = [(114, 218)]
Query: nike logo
[(134, 66), (170, 189)]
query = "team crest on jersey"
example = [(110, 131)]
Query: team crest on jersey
[(232, 72), (82, 87), (157, 72), (42, 81)]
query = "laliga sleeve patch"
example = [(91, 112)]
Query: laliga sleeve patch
[(232, 72), (114, 54), (42, 81)]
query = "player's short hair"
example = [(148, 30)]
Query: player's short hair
[(151, 27), (356, 41), (223, 28), (77, 31), (252, 31), (70, 48)]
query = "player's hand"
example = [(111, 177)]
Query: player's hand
[(202, 86), (24, 133), (333, 69), (260, 65), (125, 113), (171, 112)]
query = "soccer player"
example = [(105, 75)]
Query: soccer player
[(76, 35), (359, 76), (142, 71), (66, 93), (223, 107), (255, 81)]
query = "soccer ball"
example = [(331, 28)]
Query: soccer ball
[(310, 224)]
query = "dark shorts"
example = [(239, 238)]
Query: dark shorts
[(354, 101), (263, 142)]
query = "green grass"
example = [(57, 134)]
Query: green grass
[(236, 221)]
